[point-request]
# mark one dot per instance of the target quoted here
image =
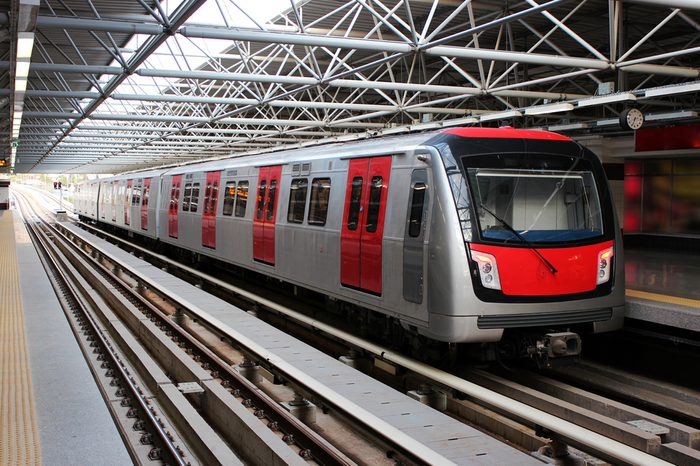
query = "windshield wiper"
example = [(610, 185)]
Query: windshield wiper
[(549, 265)]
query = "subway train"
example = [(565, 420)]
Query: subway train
[(463, 235)]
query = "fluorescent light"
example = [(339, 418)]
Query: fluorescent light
[(551, 108), (608, 122), (22, 69), (607, 99), (25, 44), (671, 115), (568, 127), (20, 84), (460, 121), (671, 90), (500, 115)]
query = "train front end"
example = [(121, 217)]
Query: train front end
[(542, 248)]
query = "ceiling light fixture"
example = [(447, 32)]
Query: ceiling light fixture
[(672, 90), (606, 99), (550, 108), (500, 115), (568, 127), (680, 115)]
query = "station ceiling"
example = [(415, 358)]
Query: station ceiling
[(113, 86)]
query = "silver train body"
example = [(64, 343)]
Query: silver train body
[(431, 209)]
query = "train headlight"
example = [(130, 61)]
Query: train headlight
[(488, 270), (604, 261)]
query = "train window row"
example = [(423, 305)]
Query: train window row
[(235, 198), (191, 197), (318, 204)]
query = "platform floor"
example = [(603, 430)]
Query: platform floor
[(51, 410), (663, 287)]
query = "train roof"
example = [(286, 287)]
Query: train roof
[(359, 148)]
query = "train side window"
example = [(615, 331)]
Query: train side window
[(415, 221), (271, 201), (241, 198), (229, 196), (355, 198), (136, 198), (318, 206), (214, 197), (297, 200), (375, 196), (146, 195), (186, 197), (195, 197), (207, 198), (261, 199)]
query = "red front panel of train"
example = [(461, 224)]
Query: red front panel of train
[(211, 196), (522, 273), (174, 206), (145, 199), (127, 202), (363, 223), (265, 214)]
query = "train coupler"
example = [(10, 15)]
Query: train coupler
[(556, 349)]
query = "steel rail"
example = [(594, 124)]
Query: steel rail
[(50, 254), (391, 435), (593, 441), (286, 422)]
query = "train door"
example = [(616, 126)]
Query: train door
[(414, 237), (363, 223), (146, 194), (265, 214), (127, 202), (211, 195), (113, 199), (173, 206)]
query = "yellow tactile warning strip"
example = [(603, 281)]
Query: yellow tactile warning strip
[(19, 435), (664, 298)]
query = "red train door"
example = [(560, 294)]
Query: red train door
[(211, 195), (265, 214), (127, 202), (363, 223), (113, 198), (174, 205), (145, 195)]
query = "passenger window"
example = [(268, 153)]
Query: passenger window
[(261, 199), (146, 193), (195, 197), (241, 198), (136, 199), (375, 196), (355, 198), (229, 196), (271, 202), (415, 221), (297, 200), (318, 206), (186, 197)]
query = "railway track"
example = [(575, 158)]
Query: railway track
[(512, 419)]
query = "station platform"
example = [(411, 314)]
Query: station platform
[(663, 287), (51, 410)]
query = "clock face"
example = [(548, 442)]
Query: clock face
[(632, 118)]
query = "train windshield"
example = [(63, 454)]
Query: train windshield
[(535, 205)]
